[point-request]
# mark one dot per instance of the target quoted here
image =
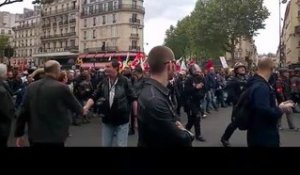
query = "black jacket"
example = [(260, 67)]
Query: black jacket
[(157, 119), (263, 130), (235, 87), (193, 95), (7, 110), (139, 85), (119, 113), (46, 107)]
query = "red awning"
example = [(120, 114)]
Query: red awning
[(100, 55), (82, 55), (90, 56)]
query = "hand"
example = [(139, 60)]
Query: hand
[(286, 108), (179, 125), (85, 110), (20, 142), (199, 86)]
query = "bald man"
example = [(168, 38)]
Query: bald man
[(46, 108)]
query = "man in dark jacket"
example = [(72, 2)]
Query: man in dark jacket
[(211, 86), (45, 109), (235, 86), (6, 107), (195, 93), (263, 127), (158, 123), (283, 93), (179, 89), (117, 97)]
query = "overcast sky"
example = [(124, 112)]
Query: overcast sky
[(160, 14)]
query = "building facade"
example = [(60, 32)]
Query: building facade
[(290, 36), (27, 35), (245, 52), (111, 26)]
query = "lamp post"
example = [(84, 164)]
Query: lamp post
[(280, 57)]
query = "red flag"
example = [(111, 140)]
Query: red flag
[(209, 64)]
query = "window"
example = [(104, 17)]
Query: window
[(84, 35), (94, 34), (103, 19), (114, 18), (84, 46), (115, 6), (61, 31), (94, 21), (55, 9), (85, 22), (2, 31), (9, 31), (72, 29), (74, 4), (91, 10), (63, 6), (66, 30), (134, 17), (54, 45), (72, 43), (134, 44)]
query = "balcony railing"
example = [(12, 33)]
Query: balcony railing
[(46, 25), (24, 26), (100, 49), (134, 35), (58, 35), (134, 48), (297, 29), (72, 20), (121, 7), (60, 49), (132, 20), (60, 11)]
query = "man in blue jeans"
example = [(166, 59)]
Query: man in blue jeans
[(114, 95), (212, 84)]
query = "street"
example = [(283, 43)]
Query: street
[(89, 135)]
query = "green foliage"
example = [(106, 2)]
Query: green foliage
[(215, 26), (4, 42)]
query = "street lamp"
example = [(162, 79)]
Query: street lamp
[(280, 2)]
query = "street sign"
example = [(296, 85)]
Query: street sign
[(224, 62)]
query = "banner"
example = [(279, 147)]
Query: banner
[(224, 62)]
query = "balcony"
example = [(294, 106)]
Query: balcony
[(99, 49), (121, 7), (58, 36), (46, 25), (26, 26), (72, 21), (59, 12), (297, 30), (134, 36), (134, 48), (59, 49)]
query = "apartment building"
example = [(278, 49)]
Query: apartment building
[(290, 35), (111, 25), (27, 36), (245, 52)]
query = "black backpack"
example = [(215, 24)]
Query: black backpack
[(242, 111)]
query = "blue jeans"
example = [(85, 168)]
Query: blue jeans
[(115, 136), (210, 100)]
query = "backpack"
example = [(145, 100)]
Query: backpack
[(242, 111)]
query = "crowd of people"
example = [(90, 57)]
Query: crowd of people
[(48, 100)]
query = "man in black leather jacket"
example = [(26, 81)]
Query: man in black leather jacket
[(158, 124), (117, 95), (195, 92)]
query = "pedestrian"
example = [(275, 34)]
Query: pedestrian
[(263, 125), (138, 85), (235, 87), (195, 93), (44, 110), (283, 93), (220, 90), (7, 110), (115, 95), (158, 124), (212, 84), (179, 89)]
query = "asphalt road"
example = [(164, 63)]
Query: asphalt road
[(89, 135)]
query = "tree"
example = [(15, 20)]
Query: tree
[(6, 2), (4, 42), (178, 38)]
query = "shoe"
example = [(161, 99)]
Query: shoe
[(131, 132), (201, 139), (204, 116), (225, 143), (295, 129), (76, 123), (280, 128)]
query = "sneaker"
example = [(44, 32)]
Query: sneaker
[(295, 129), (225, 143), (204, 116), (201, 139), (280, 128)]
